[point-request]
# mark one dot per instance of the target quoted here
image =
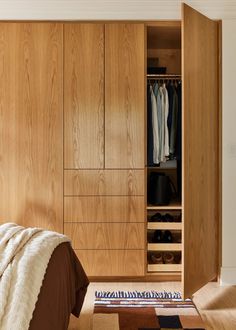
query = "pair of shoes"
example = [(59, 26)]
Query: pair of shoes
[(157, 258), (160, 237), (158, 217), (163, 258)]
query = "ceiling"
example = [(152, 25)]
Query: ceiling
[(111, 9)]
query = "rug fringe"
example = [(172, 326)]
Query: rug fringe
[(138, 294)]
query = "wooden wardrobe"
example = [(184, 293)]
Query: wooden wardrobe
[(73, 140)]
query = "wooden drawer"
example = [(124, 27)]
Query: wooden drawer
[(104, 209), (106, 235), (112, 262), (103, 182)]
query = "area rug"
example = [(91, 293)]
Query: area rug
[(148, 310)]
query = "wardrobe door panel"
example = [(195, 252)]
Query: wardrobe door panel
[(112, 262), (103, 182), (124, 95), (200, 149), (84, 95), (31, 141), (104, 209), (106, 235)]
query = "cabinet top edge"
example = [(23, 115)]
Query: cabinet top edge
[(146, 22)]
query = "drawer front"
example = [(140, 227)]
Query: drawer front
[(103, 182), (106, 235), (112, 262), (104, 209)]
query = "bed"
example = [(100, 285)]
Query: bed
[(62, 293), (41, 279)]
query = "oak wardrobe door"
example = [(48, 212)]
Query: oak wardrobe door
[(84, 96), (31, 141), (201, 155), (124, 95)]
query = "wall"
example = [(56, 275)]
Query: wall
[(164, 9), (228, 271), (111, 9)]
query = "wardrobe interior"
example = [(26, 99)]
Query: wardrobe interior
[(164, 148)]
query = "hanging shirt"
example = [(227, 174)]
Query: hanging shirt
[(162, 109), (155, 128), (166, 131), (158, 96), (150, 129)]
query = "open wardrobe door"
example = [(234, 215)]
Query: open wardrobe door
[(200, 149)]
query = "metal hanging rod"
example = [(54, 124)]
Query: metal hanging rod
[(164, 76)]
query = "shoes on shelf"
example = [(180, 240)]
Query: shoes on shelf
[(162, 237), (167, 218), (168, 258), (157, 236), (157, 217), (167, 237), (157, 258)]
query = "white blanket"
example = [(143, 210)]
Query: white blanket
[(24, 256)]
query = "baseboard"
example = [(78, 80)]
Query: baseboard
[(228, 276)]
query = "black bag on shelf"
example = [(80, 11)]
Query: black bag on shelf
[(159, 189)]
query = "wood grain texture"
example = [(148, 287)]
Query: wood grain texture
[(104, 209), (105, 235), (112, 262), (124, 95), (103, 182), (201, 162), (31, 147), (84, 95)]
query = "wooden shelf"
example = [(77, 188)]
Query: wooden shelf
[(165, 225), (164, 267), (164, 246), (172, 206)]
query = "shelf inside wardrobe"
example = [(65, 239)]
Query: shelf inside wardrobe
[(174, 205), (168, 165), (164, 246), (164, 222), (164, 225), (164, 267)]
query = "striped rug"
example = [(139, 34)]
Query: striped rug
[(148, 310)]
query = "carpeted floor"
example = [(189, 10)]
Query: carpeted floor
[(144, 310)]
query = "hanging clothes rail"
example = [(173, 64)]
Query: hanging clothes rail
[(163, 76)]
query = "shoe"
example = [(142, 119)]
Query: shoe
[(157, 258), (168, 258), (168, 218), (157, 217), (157, 236), (167, 237)]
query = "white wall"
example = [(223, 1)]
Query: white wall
[(228, 272), (164, 9), (111, 9)]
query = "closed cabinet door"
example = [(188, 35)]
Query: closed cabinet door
[(124, 95), (83, 96), (31, 125), (200, 149)]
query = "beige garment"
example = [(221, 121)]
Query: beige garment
[(156, 142)]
